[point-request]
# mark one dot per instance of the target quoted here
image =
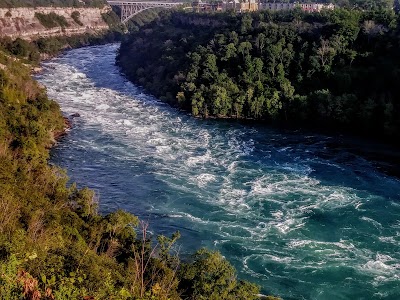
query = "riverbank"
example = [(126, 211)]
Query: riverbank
[(290, 211), (53, 241), (37, 33), (278, 67)]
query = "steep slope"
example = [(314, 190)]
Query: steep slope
[(30, 23)]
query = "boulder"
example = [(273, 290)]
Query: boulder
[(74, 115)]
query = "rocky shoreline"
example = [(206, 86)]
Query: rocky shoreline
[(68, 124)]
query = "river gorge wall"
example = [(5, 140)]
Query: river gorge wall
[(23, 22)]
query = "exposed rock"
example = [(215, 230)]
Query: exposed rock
[(37, 70), (68, 124), (74, 115), (21, 22), (56, 135)]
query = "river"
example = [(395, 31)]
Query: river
[(302, 218)]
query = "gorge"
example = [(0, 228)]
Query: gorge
[(291, 211), (192, 124), (24, 22)]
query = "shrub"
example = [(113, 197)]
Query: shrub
[(53, 242), (210, 276), (51, 20), (75, 16)]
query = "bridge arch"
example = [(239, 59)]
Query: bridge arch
[(132, 8)]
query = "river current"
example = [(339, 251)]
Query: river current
[(301, 218)]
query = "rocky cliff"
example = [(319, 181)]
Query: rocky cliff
[(24, 22)]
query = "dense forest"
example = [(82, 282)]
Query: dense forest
[(336, 69)]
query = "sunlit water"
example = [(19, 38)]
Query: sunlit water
[(300, 218)]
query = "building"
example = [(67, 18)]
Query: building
[(276, 6), (315, 7), (207, 6), (308, 7), (246, 5), (252, 5)]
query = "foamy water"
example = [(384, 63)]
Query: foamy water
[(301, 219)]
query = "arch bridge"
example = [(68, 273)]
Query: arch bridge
[(132, 8)]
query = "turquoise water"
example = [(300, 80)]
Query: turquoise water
[(292, 212)]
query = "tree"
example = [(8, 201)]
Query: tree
[(260, 43), (246, 25), (245, 48), (210, 69), (326, 53), (230, 52), (211, 277)]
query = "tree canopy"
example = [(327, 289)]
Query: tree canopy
[(53, 242), (335, 69)]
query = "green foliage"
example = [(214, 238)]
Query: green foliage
[(143, 18), (75, 16), (111, 18), (51, 20), (53, 242), (211, 277), (9, 287), (121, 224), (20, 47), (32, 51), (289, 66), (113, 21)]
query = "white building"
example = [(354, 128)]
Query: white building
[(309, 7), (276, 6)]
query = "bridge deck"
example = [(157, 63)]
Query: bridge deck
[(131, 8), (114, 2)]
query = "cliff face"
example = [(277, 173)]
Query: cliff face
[(22, 22)]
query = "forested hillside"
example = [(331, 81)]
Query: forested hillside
[(335, 69)]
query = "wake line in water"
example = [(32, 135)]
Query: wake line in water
[(300, 219)]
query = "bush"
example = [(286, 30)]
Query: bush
[(75, 16), (53, 242), (210, 276), (51, 20)]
